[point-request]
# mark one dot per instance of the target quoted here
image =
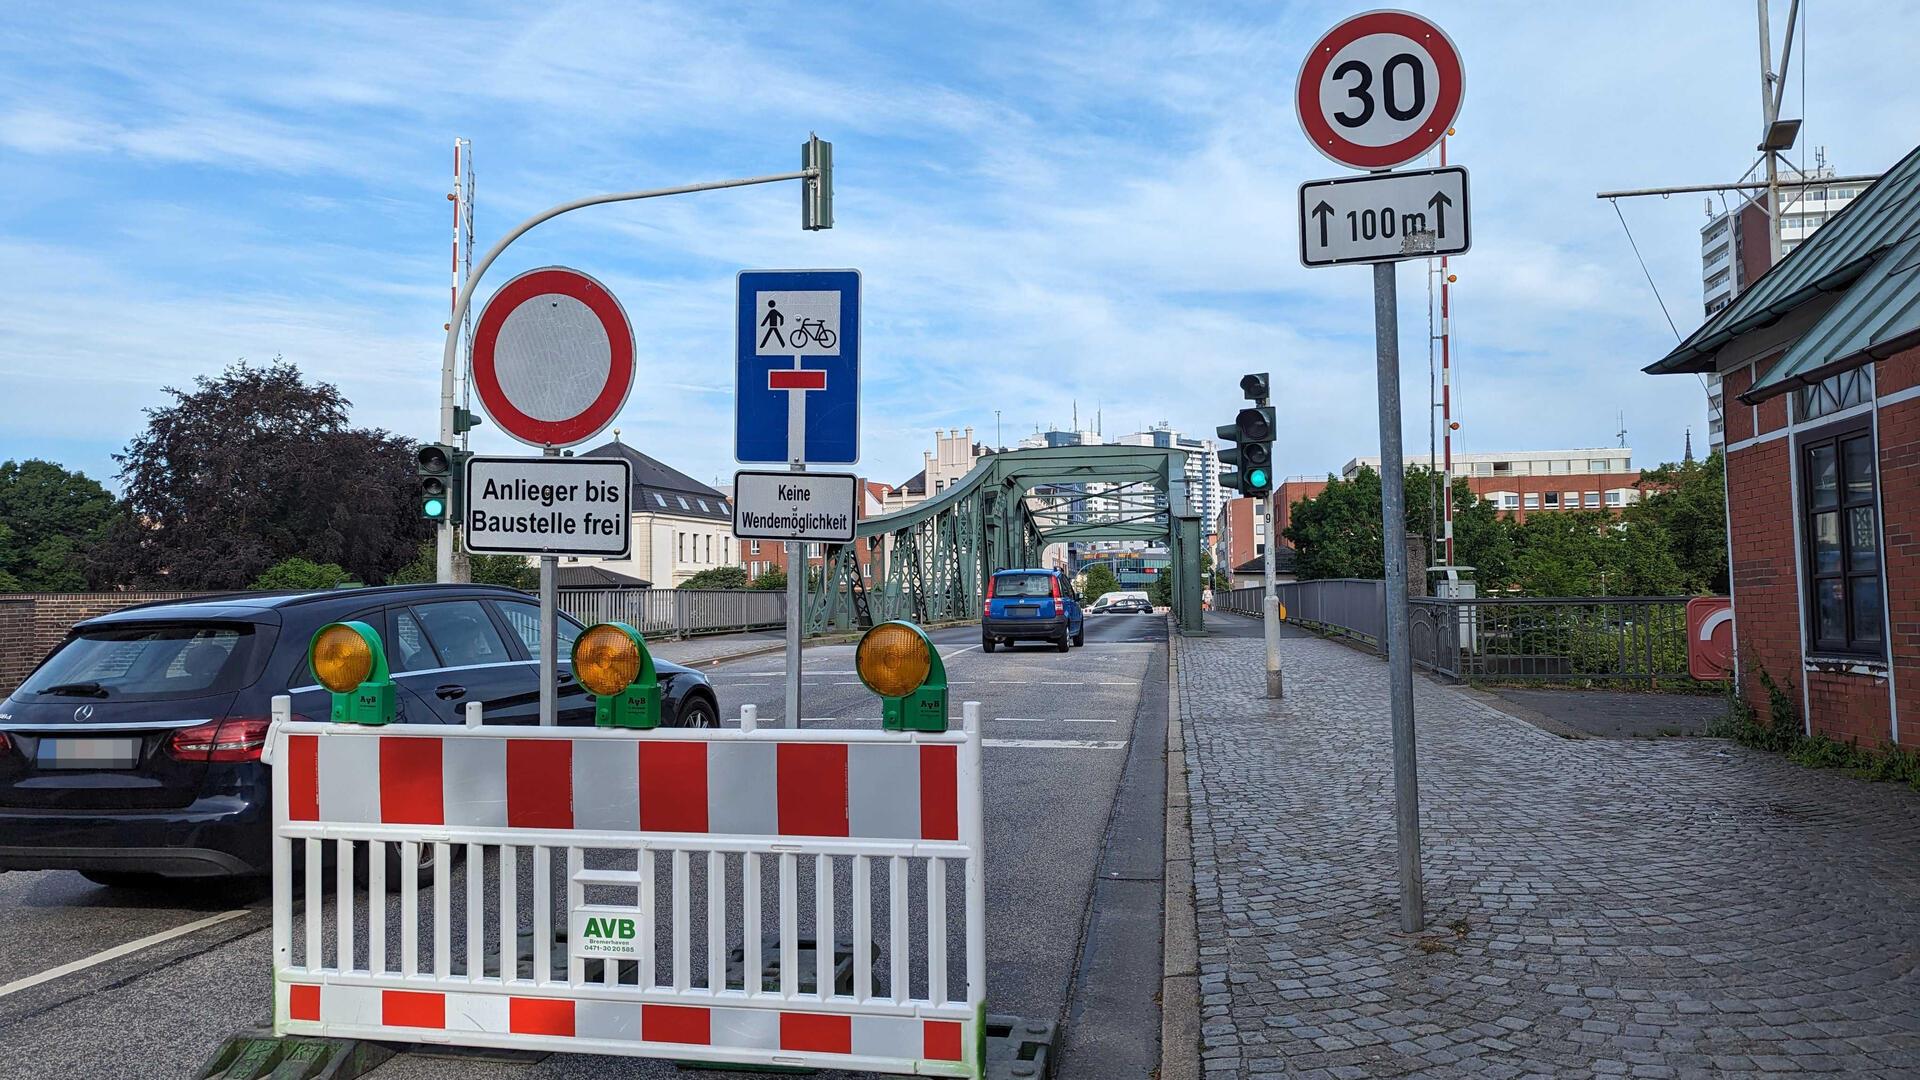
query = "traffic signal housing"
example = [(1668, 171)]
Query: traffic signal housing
[(435, 468), (1250, 441), (816, 192)]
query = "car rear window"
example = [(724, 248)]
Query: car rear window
[(1023, 585), (146, 662)]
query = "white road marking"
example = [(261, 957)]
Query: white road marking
[(1021, 719), (1090, 720), (117, 952), (1056, 744)]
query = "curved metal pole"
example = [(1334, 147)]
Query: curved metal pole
[(443, 561)]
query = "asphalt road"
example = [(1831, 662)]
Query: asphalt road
[(103, 982)]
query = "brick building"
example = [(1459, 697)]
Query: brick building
[(1820, 360), (1521, 482)]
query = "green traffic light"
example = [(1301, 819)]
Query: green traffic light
[(434, 509), (1258, 478)]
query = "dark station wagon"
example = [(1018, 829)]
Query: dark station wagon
[(133, 751)]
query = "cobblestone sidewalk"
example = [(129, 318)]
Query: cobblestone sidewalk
[(1596, 908)]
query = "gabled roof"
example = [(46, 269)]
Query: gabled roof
[(659, 488), (1877, 317), (1830, 260), (917, 485), (595, 577)]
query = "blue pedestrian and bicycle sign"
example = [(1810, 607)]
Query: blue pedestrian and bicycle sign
[(797, 371)]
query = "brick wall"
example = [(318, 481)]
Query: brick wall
[(1766, 603), (1900, 532), (31, 624)]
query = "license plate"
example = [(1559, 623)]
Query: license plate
[(1022, 612), (88, 753)]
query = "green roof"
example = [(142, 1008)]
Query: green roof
[(1877, 317), (1831, 260)]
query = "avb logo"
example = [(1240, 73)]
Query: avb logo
[(606, 932)]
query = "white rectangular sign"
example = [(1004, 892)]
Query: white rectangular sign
[(1384, 217), (547, 506), (809, 506)]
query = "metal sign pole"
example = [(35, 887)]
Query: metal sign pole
[(1270, 606), (1393, 512), (796, 551), (549, 631)]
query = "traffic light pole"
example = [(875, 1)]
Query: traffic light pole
[(1270, 606), (1393, 513), (443, 539)]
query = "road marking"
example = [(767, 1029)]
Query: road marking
[(118, 951), (1021, 719), (957, 652), (1057, 744), (1090, 720)]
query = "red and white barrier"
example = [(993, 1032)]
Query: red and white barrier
[(695, 841)]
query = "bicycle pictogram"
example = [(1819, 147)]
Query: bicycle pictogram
[(812, 330)]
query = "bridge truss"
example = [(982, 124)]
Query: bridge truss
[(930, 562)]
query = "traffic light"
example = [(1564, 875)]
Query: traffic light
[(436, 481), (1251, 441), (816, 192)]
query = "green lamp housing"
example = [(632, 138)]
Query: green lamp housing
[(635, 705), (370, 702), (924, 708)]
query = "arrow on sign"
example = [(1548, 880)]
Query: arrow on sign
[(1321, 213), (1439, 203)]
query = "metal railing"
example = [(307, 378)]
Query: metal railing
[(1637, 639), (678, 612), (1641, 639)]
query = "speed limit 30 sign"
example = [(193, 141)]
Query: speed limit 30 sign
[(1379, 89)]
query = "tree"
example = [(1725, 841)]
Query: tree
[(299, 573), (513, 571), (1688, 502), (1097, 581), (772, 579), (718, 577), (1161, 591), (1336, 534), (253, 466), (52, 517)]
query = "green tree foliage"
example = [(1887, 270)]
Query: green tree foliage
[(1097, 581), (513, 571), (1336, 534), (299, 573), (772, 579), (1161, 591), (718, 577), (50, 518), (1687, 501), (253, 466)]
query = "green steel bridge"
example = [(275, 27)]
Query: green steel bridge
[(930, 562)]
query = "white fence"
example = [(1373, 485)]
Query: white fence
[(678, 612), (710, 861)]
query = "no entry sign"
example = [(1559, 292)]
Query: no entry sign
[(553, 357), (1379, 89)]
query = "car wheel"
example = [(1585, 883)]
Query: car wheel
[(1080, 635), (986, 644), (123, 879), (697, 712), (1063, 642), (423, 875)]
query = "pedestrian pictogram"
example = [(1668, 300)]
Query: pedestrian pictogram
[(798, 367)]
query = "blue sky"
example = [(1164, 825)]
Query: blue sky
[(1049, 205)]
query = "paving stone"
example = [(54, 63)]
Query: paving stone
[(1652, 908)]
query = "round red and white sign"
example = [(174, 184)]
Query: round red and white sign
[(1379, 89), (553, 357)]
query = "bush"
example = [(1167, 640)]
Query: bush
[(718, 577), (773, 579), (299, 573)]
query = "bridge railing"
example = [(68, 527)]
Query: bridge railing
[(1613, 639), (678, 612)]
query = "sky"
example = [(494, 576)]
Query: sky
[(1052, 206)]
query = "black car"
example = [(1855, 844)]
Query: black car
[(133, 750)]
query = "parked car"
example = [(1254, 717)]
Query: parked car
[(1031, 605), (133, 751), (1123, 601)]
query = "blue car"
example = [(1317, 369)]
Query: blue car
[(1031, 605), (132, 753)]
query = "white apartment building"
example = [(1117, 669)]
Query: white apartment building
[(953, 456), (680, 525), (1202, 467)]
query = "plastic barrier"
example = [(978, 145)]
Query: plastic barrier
[(614, 885)]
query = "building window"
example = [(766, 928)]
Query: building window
[(1509, 502), (1616, 498), (1533, 502), (1597, 465), (1553, 500), (680, 547), (658, 499), (1842, 542), (1592, 500), (753, 547), (1835, 392)]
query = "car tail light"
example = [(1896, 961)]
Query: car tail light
[(1056, 587), (232, 739), (6, 745), (986, 609)]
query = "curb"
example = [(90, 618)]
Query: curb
[(1180, 957)]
